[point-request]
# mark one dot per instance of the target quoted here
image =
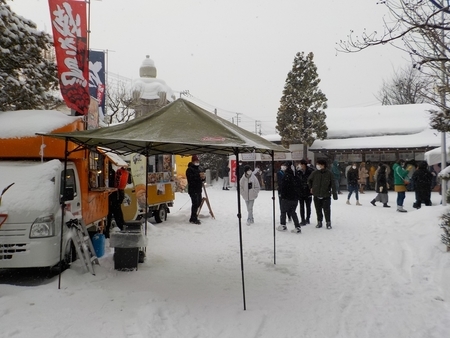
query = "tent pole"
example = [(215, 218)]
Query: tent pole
[(273, 207), (236, 153), (146, 191), (63, 207)]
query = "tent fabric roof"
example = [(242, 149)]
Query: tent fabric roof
[(178, 128)]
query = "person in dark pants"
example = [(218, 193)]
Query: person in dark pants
[(322, 185), (195, 185), (305, 197), (119, 181), (422, 179), (287, 189)]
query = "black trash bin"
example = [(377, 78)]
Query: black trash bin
[(126, 246)]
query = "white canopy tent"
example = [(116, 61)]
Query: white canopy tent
[(434, 156)]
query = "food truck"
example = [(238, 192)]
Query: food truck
[(31, 185), (160, 187)]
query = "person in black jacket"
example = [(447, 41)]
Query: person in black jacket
[(195, 186), (288, 198), (352, 183), (322, 185), (381, 186), (305, 196), (422, 179)]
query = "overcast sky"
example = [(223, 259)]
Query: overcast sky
[(234, 55)]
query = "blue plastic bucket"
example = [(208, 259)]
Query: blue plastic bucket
[(98, 242)]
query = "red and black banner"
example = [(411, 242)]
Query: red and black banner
[(69, 25)]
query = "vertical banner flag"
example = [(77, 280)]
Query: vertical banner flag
[(70, 38), (97, 79)]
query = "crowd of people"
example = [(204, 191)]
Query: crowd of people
[(303, 184)]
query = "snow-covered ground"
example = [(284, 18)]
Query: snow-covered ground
[(377, 273)]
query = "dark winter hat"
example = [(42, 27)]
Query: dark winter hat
[(304, 162), (195, 158), (288, 163), (247, 168)]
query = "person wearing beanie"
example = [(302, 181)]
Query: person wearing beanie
[(195, 185), (249, 189), (321, 183)]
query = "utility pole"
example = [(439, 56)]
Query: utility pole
[(258, 127), (238, 118), (443, 104)]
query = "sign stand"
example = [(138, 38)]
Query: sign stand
[(205, 199)]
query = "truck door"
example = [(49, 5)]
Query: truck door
[(72, 181)]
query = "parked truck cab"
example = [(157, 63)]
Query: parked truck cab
[(32, 181)]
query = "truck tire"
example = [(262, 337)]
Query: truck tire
[(160, 214)]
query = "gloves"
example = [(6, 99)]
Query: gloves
[(335, 196)]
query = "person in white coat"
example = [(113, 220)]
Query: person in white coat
[(249, 189)]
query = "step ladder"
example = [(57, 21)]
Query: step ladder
[(83, 244)]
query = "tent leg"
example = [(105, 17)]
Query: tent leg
[(273, 209), (236, 152)]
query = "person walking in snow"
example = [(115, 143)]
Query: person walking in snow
[(363, 174), (382, 187), (249, 189), (195, 186), (401, 179), (337, 175), (422, 179), (305, 198), (226, 176), (288, 189), (321, 183), (352, 183), (280, 175)]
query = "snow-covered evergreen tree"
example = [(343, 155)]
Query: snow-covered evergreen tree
[(301, 116), (27, 78)]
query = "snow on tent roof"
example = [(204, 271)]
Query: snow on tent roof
[(32, 121)]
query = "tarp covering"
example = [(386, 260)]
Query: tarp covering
[(435, 156), (178, 128)]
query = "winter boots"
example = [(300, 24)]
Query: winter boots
[(385, 205), (348, 202), (328, 225), (400, 208), (357, 203), (373, 202), (319, 224)]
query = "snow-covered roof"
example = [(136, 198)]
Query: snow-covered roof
[(384, 127), (32, 121)]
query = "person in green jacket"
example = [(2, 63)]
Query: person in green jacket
[(322, 185), (400, 179)]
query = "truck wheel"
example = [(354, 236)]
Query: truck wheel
[(160, 214)]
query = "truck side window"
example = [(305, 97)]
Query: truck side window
[(70, 181)]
